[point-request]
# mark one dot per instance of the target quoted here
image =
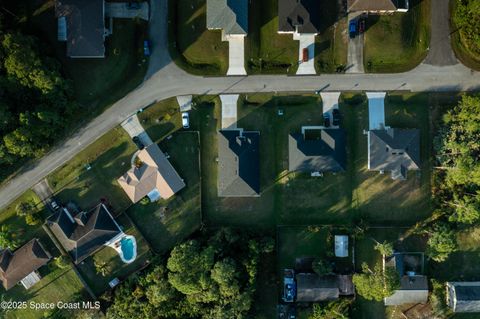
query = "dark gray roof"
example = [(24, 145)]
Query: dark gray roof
[(395, 150), (229, 15), (85, 26), (314, 288), (467, 292), (375, 5), (304, 14), (327, 154), (464, 296), (23, 261), (238, 163), (85, 234)]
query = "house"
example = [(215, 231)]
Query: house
[(22, 264), (238, 163), (314, 288), (81, 24), (299, 16), (229, 16), (151, 175), (377, 6), (413, 285), (83, 233), (326, 153), (463, 296), (395, 150)]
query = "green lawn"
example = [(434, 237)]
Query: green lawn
[(109, 158), (161, 119), (117, 268), (266, 51), (56, 285), (167, 222), (397, 42), (193, 47)]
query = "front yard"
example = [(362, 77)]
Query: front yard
[(397, 42)]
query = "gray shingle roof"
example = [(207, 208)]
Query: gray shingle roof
[(14, 266), (464, 296), (81, 239), (374, 5), (238, 163), (85, 26), (326, 154), (304, 14), (395, 150), (314, 288), (229, 15)]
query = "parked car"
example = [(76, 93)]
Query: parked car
[(361, 26), (326, 120), (137, 142), (336, 117), (54, 205), (305, 54), (289, 285), (292, 312), (185, 120), (133, 5), (146, 48), (352, 28)]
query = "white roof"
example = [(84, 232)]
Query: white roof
[(341, 246)]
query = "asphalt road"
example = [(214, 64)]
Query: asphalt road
[(164, 79)]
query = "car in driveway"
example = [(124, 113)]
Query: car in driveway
[(146, 48), (352, 28), (54, 205), (326, 120), (361, 26), (185, 120), (289, 285), (336, 117), (138, 143)]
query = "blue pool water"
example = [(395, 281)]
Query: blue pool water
[(127, 248)]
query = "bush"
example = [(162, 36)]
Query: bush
[(145, 201), (32, 219), (61, 262)]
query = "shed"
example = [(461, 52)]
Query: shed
[(341, 246)]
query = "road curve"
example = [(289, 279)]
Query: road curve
[(164, 79)]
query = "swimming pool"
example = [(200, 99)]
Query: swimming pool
[(128, 248)]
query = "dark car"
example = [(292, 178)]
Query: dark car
[(326, 120), (292, 312), (336, 117), (139, 143), (361, 26), (133, 5), (352, 28), (146, 48)]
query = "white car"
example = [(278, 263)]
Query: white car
[(185, 120)]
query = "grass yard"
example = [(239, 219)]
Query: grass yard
[(167, 222), (56, 285), (109, 158), (266, 51), (397, 42), (116, 268), (193, 47), (377, 198), (161, 119)]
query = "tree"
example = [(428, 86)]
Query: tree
[(322, 267), (441, 242), (6, 238), (32, 219), (467, 19), (376, 284), (337, 309), (61, 262), (101, 267), (385, 248), (466, 209), (25, 208)]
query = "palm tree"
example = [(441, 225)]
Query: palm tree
[(102, 267)]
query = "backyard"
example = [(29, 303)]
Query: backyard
[(191, 45), (397, 42), (167, 222), (92, 174)]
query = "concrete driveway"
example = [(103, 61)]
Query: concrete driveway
[(306, 41), (355, 49), (121, 10), (330, 102), (133, 127), (185, 102), (236, 55), (440, 51), (229, 111), (376, 110), (43, 191)]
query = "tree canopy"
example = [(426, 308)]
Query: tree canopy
[(441, 242), (209, 277), (376, 283), (467, 18)]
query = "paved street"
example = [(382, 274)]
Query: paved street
[(164, 79)]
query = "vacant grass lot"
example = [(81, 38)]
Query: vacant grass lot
[(116, 268), (192, 46), (161, 119), (109, 158), (266, 51), (397, 42), (167, 222)]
